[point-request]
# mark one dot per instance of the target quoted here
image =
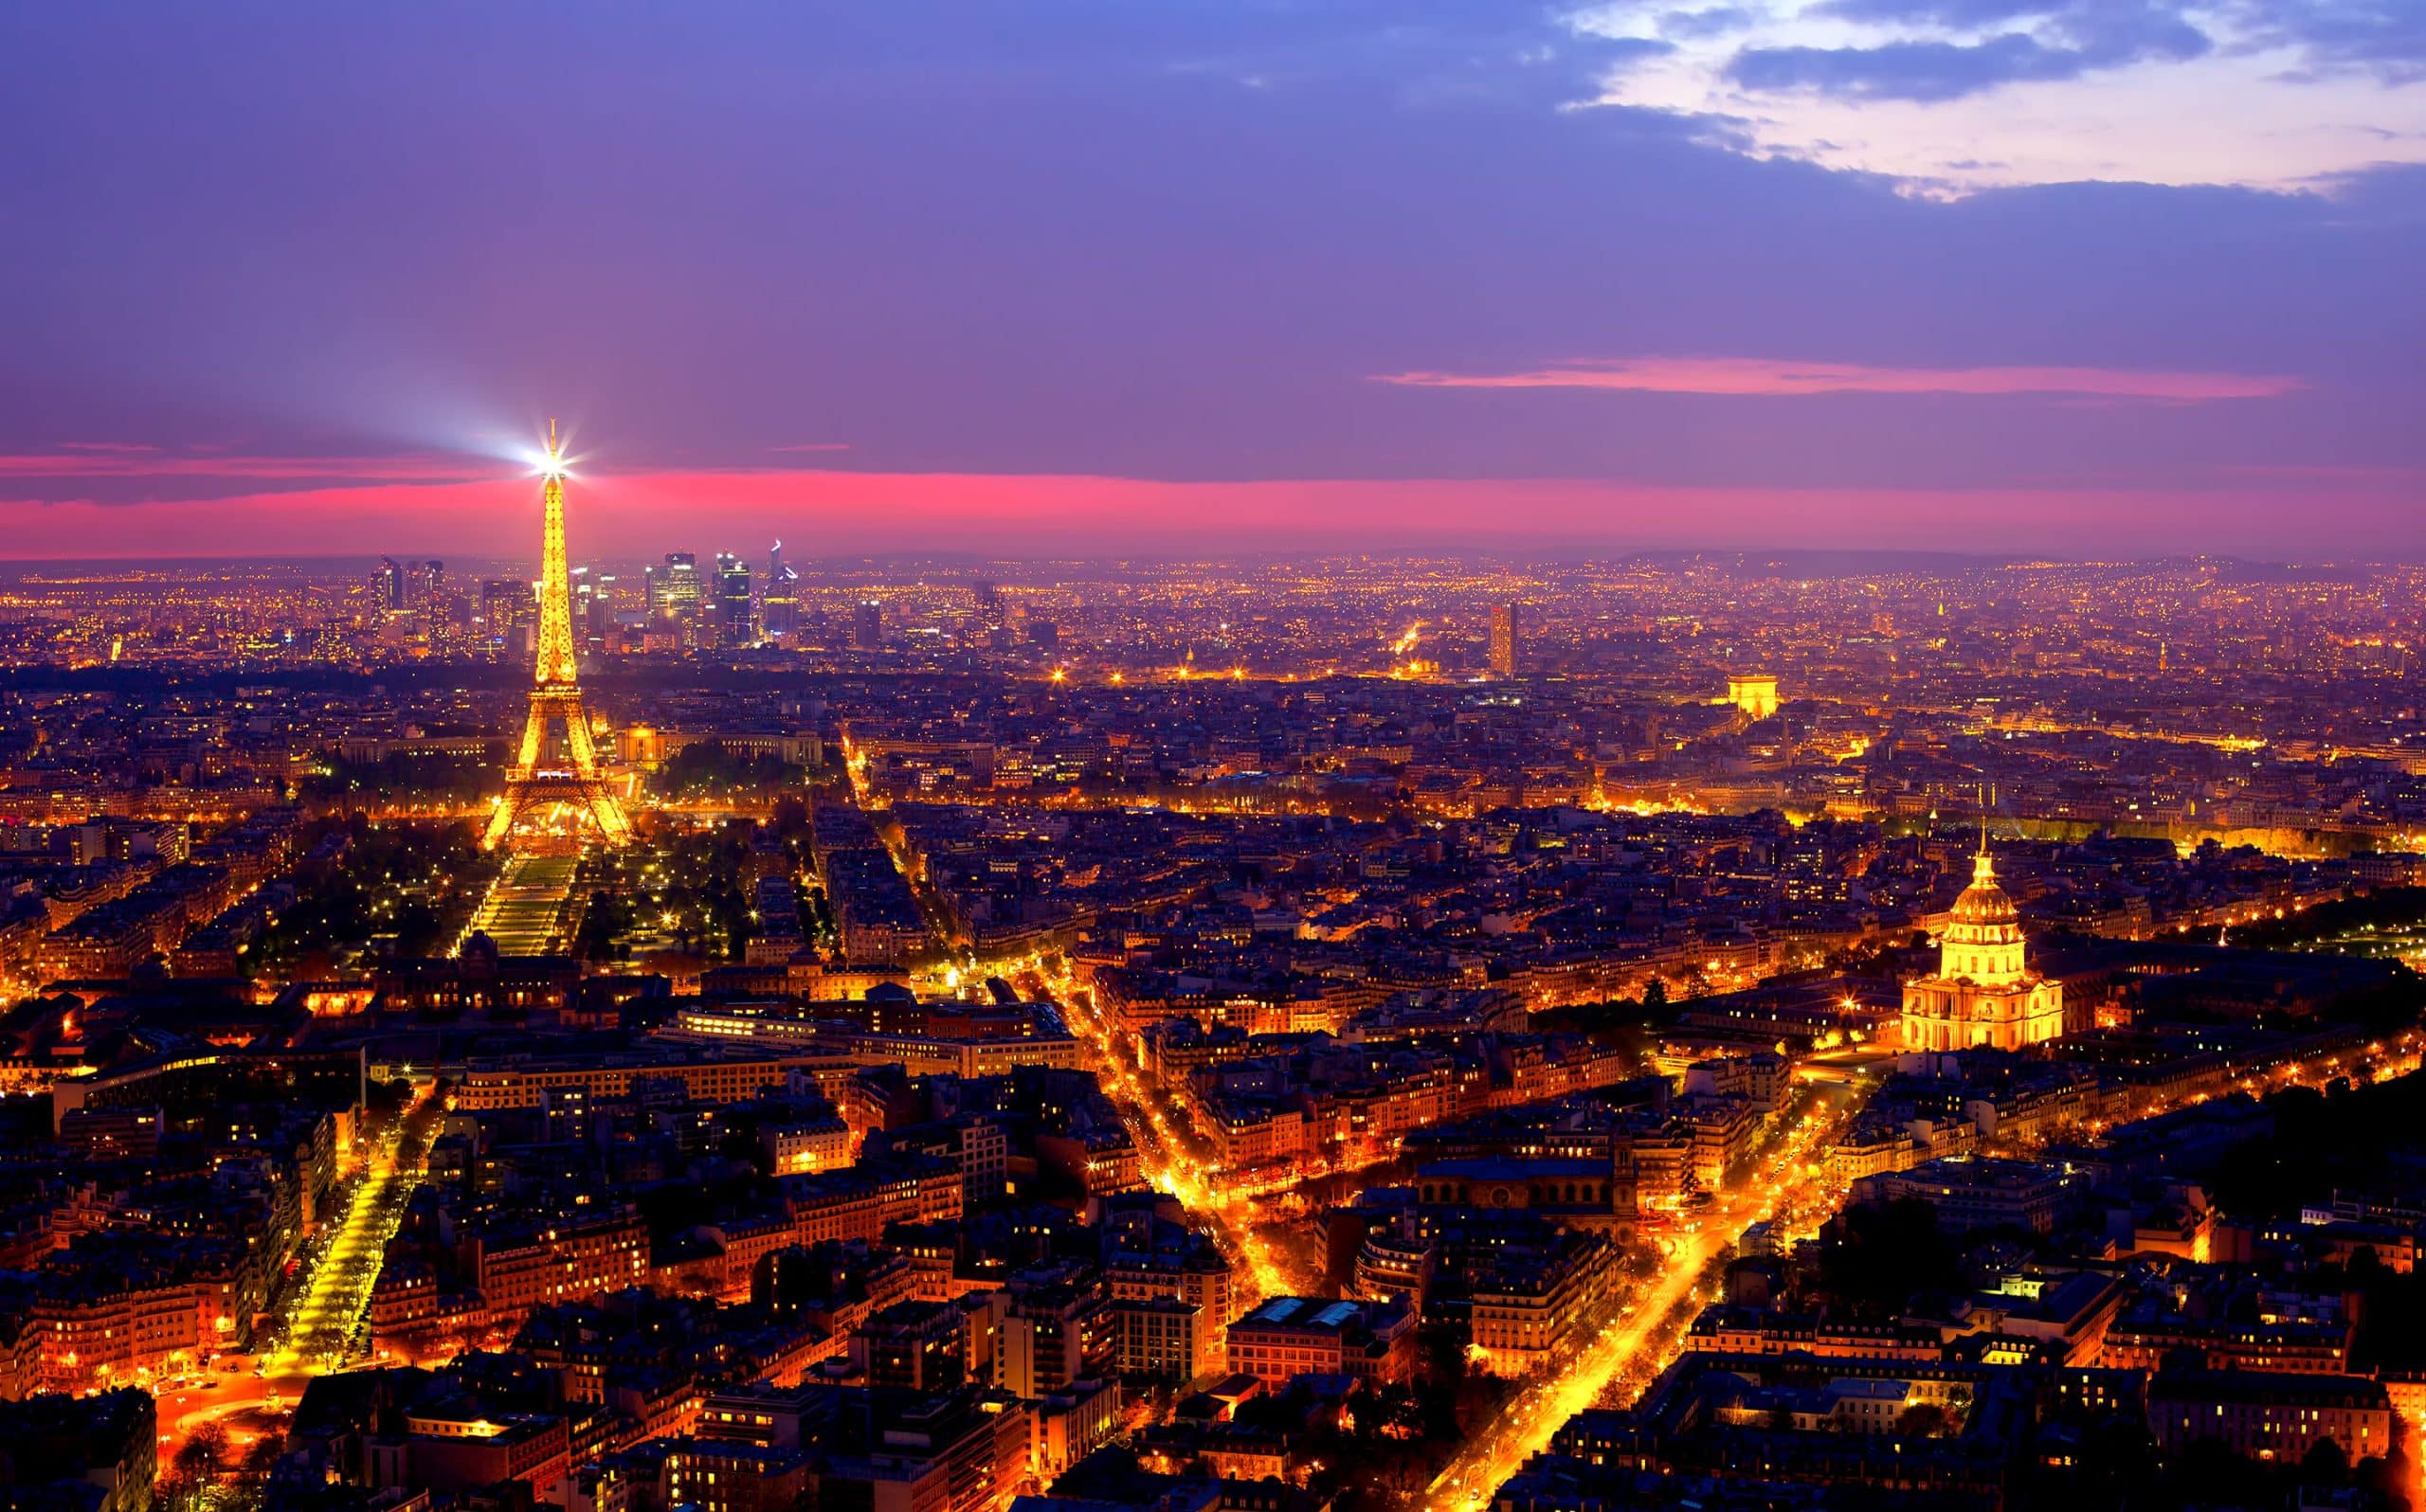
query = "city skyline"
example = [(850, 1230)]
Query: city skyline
[(1443, 275), (1213, 756)]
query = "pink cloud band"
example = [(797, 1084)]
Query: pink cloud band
[(1765, 377), (641, 514)]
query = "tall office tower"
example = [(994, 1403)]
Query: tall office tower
[(867, 625), (387, 584), (584, 607), (438, 611), (736, 624), (779, 610), (674, 587), (539, 780), (506, 605), (1503, 641), (989, 602), (600, 628)]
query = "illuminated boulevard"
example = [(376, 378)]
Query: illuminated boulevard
[(1791, 1190), (1786, 1184), (1170, 1163), (329, 1307), (326, 1307)]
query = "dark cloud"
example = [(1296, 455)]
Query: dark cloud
[(1925, 71), (1964, 16), (2066, 38), (1714, 21), (2386, 37), (2112, 34)]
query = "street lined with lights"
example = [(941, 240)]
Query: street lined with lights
[(1784, 1185), (1165, 1152), (318, 1331)]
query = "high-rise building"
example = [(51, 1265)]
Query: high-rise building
[(736, 621), (585, 607), (674, 589), (602, 608), (1504, 651), (387, 584), (867, 625), (439, 612), (506, 606), (779, 607)]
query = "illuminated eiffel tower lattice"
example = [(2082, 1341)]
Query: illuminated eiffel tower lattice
[(541, 780)]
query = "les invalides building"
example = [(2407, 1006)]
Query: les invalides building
[(1984, 992)]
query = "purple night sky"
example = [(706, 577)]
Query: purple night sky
[(2085, 278)]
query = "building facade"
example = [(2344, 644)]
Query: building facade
[(1984, 992)]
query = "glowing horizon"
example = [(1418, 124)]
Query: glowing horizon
[(644, 513), (1879, 272)]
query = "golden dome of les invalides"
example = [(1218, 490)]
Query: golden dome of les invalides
[(1984, 992)]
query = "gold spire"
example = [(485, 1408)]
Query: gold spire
[(1983, 870)]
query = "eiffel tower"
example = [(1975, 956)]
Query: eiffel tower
[(536, 781)]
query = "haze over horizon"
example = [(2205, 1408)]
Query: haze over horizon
[(2071, 278)]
